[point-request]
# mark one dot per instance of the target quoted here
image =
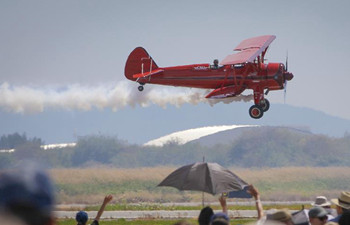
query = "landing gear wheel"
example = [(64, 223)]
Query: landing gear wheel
[(140, 88), (256, 112), (265, 105)]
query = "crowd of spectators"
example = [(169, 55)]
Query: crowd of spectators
[(27, 198)]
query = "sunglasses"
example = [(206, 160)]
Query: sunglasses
[(323, 218)]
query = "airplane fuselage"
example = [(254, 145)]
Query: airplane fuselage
[(268, 76)]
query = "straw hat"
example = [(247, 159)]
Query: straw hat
[(321, 201), (281, 216), (343, 200)]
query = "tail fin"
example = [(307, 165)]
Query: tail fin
[(139, 61)]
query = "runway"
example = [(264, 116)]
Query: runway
[(62, 212), (158, 214)]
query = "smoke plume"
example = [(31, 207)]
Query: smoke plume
[(23, 99)]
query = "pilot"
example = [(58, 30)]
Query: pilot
[(215, 64)]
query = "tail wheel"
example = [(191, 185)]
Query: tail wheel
[(140, 88), (256, 112), (264, 104)]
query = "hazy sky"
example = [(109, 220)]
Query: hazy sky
[(51, 44)]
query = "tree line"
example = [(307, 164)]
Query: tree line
[(261, 147)]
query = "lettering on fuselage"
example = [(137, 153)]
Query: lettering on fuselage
[(200, 68)]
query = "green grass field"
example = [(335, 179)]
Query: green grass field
[(147, 222), (89, 186)]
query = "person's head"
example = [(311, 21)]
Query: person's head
[(27, 195), (343, 202), (81, 217), (219, 219), (318, 216), (282, 216), (216, 62), (321, 201), (345, 218), (205, 215)]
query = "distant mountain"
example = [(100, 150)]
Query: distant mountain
[(192, 135), (210, 136), (230, 136), (141, 124)]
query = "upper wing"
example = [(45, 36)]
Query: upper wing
[(249, 50)]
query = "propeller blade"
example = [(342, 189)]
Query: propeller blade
[(287, 61), (285, 91), (285, 80)]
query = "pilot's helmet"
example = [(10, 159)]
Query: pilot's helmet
[(216, 61)]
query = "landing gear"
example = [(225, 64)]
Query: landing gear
[(261, 104), (256, 111), (140, 88), (264, 104)]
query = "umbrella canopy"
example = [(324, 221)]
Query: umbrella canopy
[(207, 177)]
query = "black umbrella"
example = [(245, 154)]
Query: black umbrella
[(207, 177)]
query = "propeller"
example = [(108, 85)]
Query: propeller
[(285, 80), (287, 62), (285, 91)]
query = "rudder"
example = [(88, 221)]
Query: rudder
[(139, 61)]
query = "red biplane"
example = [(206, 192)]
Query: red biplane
[(243, 70)]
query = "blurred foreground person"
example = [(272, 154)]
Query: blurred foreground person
[(342, 204), (345, 218), (252, 191), (323, 202), (259, 208), (318, 216), (223, 218), (205, 215), (82, 217), (219, 219), (26, 197)]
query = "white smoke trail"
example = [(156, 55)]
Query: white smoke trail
[(22, 99)]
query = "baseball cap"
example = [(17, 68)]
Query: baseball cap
[(220, 218), (81, 217), (317, 212)]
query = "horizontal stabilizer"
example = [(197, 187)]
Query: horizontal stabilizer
[(146, 74)]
